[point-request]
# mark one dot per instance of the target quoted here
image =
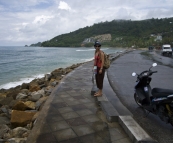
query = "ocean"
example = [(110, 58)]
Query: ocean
[(23, 64)]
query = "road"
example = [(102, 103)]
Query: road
[(123, 83)]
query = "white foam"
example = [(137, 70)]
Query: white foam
[(20, 82), (86, 60), (85, 50)]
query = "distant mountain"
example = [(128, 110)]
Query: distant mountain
[(122, 33), (36, 45)]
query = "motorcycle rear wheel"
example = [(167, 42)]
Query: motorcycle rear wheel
[(137, 100)]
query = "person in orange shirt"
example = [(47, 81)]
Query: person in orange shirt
[(98, 64)]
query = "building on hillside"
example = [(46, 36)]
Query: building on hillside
[(158, 38), (101, 38)]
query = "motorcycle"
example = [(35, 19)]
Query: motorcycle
[(158, 101)]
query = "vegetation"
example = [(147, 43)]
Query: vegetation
[(36, 45), (125, 33)]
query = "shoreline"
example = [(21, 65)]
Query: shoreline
[(27, 100)]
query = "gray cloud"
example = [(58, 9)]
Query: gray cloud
[(31, 21)]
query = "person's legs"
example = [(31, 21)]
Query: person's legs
[(99, 81)]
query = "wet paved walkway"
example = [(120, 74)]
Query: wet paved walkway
[(71, 114)]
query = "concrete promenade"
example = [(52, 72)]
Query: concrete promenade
[(72, 115)]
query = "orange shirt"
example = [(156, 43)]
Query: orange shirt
[(98, 61)]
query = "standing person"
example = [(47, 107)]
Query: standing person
[(98, 63)]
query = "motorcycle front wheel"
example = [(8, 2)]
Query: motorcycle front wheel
[(137, 100)]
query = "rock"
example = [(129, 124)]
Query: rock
[(35, 96), (25, 86), (21, 118), (17, 140), (35, 117), (21, 96), (58, 78), (68, 70), (2, 95), (12, 103), (30, 125), (13, 93), (47, 77), (41, 81), (53, 82), (57, 72), (19, 132), (4, 120), (5, 109), (42, 85), (40, 102), (6, 101), (20, 106), (25, 91), (3, 129), (30, 104), (48, 90), (34, 87)]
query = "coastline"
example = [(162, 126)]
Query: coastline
[(26, 101)]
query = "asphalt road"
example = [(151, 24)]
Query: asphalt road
[(120, 76)]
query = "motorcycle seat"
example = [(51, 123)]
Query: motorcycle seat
[(160, 92)]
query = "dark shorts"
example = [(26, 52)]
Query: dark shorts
[(99, 78)]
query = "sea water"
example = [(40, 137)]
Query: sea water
[(23, 64)]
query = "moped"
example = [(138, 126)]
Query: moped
[(158, 101)]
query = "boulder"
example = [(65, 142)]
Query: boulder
[(21, 118), (35, 116), (17, 140), (21, 96), (3, 130), (25, 86), (19, 132), (40, 102), (25, 91), (34, 87), (30, 104), (4, 120), (53, 82), (57, 72), (48, 90), (13, 93), (2, 95), (47, 77), (35, 97), (41, 81), (20, 106), (5, 109), (6, 101)]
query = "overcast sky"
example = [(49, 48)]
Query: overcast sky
[(24, 22)]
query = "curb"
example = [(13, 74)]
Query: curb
[(134, 131)]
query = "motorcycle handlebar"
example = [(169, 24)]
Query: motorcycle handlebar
[(149, 73), (153, 72)]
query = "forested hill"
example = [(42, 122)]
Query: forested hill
[(121, 33)]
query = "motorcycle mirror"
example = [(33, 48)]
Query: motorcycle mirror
[(154, 64), (133, 74)]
